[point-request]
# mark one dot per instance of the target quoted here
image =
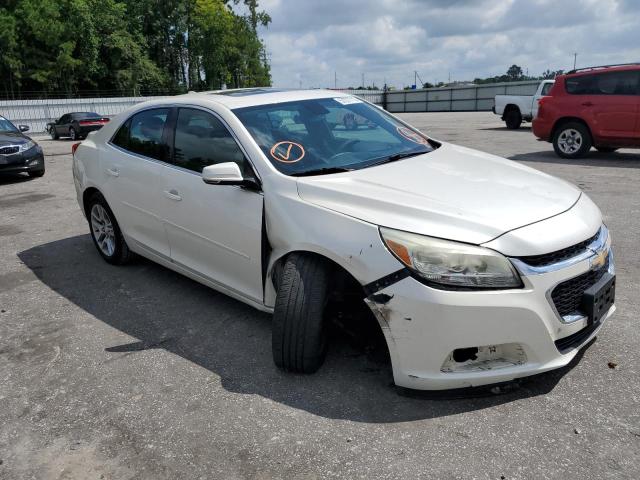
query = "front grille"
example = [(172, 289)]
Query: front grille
[(559, 255), (10, 150), (567, 296)]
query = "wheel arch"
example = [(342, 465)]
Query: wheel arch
[(86, 195), (511, 106), (561, 121)]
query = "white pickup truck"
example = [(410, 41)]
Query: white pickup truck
[(514, 109)]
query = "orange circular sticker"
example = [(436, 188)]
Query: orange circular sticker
[(287, 152), (412, 136)]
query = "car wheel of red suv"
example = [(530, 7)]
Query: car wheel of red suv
[(572, 140)]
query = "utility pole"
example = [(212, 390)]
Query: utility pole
[(363, 80), (335, 79), (575, 57)]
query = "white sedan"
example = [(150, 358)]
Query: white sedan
[(476, 269)]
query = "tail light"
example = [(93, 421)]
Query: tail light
[(93, 122), (74, 147)]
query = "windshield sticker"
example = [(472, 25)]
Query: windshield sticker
[(347, 100), (412, 136), (287, 152)]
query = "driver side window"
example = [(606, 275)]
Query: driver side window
[(202, 140)]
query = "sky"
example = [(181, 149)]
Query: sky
[(310, 41)]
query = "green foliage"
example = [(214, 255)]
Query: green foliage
[(136, 46), (515, 73)]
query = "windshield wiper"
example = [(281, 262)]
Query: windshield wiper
[(398, 156), (321, 171)]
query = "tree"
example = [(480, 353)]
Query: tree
[(515, 73), (551, 74), (140, 46)]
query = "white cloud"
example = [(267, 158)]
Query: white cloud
[(388, 39)]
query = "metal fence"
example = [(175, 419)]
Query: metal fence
[(37, 113), (455, 99)]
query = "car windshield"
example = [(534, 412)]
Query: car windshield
[(7, 126), (329, 135)]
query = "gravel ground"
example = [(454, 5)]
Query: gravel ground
[(137, 372)]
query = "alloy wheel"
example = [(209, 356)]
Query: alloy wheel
[(102, 229), (570, 141)]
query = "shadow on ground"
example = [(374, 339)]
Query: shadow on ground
[(162, 309), (11, 178), (593, 159)]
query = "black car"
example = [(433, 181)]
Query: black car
[(76, 125), (18, 153)]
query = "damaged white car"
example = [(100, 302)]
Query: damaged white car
[(477, 269)]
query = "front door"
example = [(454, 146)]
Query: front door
[(214, 230), (134, 179)]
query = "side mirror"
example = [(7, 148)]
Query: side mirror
[(227, 173), (23, 128)]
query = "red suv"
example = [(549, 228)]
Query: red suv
[(591, 107)]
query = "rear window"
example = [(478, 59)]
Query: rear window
[(613, 83), (546, 88), (83, 115)]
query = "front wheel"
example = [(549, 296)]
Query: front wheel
[(572, 140), (513, 119), (106, 233), (299, 337), (53, 133)]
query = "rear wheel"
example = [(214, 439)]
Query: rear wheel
[(299, 337), (513, 119), (572, 140), (106, 233), (72, 134)]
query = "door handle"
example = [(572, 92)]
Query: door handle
[(587, 104), (113, 172), (173, 194)]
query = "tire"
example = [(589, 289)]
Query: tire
[(299, 336), (53, 133), (606, 149), (72, 134), (98, 209), (572, 140), (513, 119)]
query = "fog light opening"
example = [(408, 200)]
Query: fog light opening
[(488, 357), (461, 355)]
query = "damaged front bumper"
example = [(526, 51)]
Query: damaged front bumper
[(440, 339)]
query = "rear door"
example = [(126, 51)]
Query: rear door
[(214, 230), (133, 170), (609, 103)]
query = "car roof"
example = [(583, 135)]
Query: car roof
[(603, 69), (248, 97)]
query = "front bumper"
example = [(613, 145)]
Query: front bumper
[(423, 326), (31, 160)]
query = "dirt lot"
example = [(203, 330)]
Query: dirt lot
[(137, 372)]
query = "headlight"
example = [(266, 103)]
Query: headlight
[(27, 146), (451, 264)]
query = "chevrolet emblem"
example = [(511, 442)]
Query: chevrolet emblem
[(599, 259)]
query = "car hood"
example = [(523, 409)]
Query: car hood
[(11, 138), (453, 192)]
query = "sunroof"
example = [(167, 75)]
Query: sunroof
[(245, 92)]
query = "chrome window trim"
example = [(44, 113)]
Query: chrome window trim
[(591, 250), (171, 165)]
